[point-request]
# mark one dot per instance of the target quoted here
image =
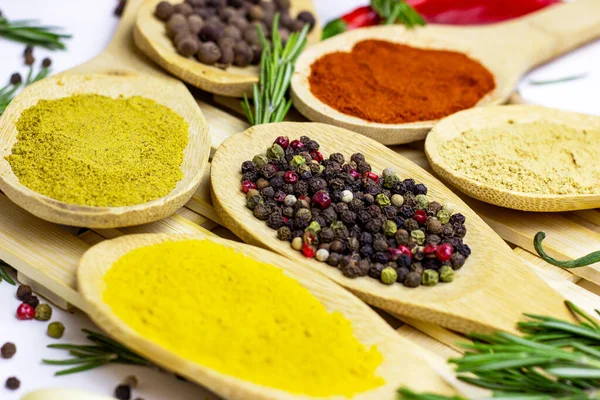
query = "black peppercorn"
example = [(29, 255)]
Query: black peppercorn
[(457, 260), (301, 188), (23, 290), (412, 280), (404, 260), (297, 233), (381, 257), (288, 212), (337, 157), (448, 231), (267, 192), (248, 166), (334, 258), (363, 217), (326, 235), (373, 189), (363, 167), (317, 184), (463, 249), (380, 245), (341, 232), (457, 219), (433, 239), (311, 146), (329, 214), (406, 211), (268, 171), (419, 189), (390, 212), (402, 273), (320, 220), (275, 220), (431, 263), (366, 251), (417, 267), (460, 231), (337, 184), (368, 199), (375, 270), (410, 200), (32, 300), (123, 392), (411, 224), (353, 243), (356, 205), (348, 217), (284, 233), (288, 188), (12, 383), (337, 246), (399, 188), (8, 350), (433, 208), (350, 267), (434, 226), (357, 158), (262, 211), (16, 79), (277, 182), (409, 184)]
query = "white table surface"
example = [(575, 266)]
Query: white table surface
[(92, 24)]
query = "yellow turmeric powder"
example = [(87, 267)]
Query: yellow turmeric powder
[(241, 317)]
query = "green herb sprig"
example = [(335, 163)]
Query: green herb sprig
[(397, 11), (558, 80), (29, 32), (276, 69), (4, 275), (8, 92), (102, 352), (589, 259), (554, 359)]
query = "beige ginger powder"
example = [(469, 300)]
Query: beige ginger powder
[(536, 157)]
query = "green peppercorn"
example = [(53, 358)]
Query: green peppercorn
[(446, 273), (252, 192), (397, 200), (388, 172), (389, 228), (422, 201), (56, 330), (382, 200), (430, 277), (443, 216), (321, 169), (389, 275), (417, 252), (302, 168), (390, 180), (260, 160), (43, 312), (276, 152), (418, 235), (284, 233), (253, 201), (313, 228), (297, 161), (336, 225)]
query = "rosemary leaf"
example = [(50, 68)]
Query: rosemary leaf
[(589, 259), (558, 80), (4, 275), (82, 360), (28, 32), (397, 12)]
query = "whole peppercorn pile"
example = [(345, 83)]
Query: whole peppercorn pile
[(224, 32), (342, 213)]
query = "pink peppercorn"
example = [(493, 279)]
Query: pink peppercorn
[(394, 253), (25, 312), (283, 141), (429, 249), (444, 252), (296, 144), (290, 177), (354, 173), (420, 216), (322, 199), (405, 250), (279, 196), (308, 250), (372, 176), (317, 156), (247, 185)]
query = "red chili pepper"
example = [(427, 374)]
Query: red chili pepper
[(475, 12), (358, 18)]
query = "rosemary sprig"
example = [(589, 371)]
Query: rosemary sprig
[(589, 259), (397, 11), (29, 32), (276, 69), (555, 359), (8, 92), (558, 80), (102, 352), (4, 275)]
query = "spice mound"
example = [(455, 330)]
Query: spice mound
[(342, 213), (225, 32), (391, 83), (220, 308), (535, 157), (99, 151)]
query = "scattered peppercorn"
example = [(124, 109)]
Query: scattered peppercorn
[(8, 350), (43, 312), (46, 62), (123, 392), (22, 291), (16, 79), (56, 330), (25, 312), (346, 215), (12, 383)]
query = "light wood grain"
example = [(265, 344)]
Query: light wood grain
[(485, 120), (490, 292), (150, 36), (403, 363), (119, 70), (508, 50)]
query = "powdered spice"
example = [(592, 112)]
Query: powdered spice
[(391, 83)]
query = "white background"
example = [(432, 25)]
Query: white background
[(92, 24)]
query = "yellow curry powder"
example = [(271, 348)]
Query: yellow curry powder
[(99, 151), (241, 317)]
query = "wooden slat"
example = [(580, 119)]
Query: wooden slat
[(428, 342), (549, 268), (221, 124), (201, 202)]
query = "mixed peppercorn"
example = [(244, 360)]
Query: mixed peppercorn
[(224, 32), (342, 213)]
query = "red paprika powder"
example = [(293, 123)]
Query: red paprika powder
[(391, 83)]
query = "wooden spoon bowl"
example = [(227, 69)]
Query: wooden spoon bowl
[(151, 37), (490, 292), (507, 49), (404, 362), (498, 117), (118, 71)]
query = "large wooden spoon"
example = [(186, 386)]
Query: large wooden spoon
[(508, 50), (150, 36), (119, 70), (484, 120), (491, 291), (404, 363)]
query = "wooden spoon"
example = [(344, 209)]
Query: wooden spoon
[(150, 36), (498, 117), (491, 291), (508, 50), (404, 362), (119, 70)]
